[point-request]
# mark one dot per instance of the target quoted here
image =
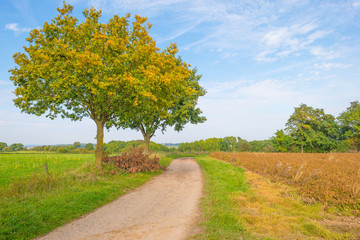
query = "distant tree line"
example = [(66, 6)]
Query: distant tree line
[(77, 147), (312, 130), (11, 148), (125, 146), (307, 130), (227, 144)]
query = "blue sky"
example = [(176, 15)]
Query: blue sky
[(258, 60)]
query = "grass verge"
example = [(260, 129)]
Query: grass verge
[(35, 204), (244, 205), (222, 183)]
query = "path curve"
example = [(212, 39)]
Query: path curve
[(166, 207)]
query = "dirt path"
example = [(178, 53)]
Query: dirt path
[(164, 208)]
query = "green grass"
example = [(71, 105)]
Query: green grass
[(33, 203), (13, 166), (222, 181), (244, 205)]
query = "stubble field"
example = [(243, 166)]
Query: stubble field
[(332, 179)]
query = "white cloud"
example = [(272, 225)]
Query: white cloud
[(276, 37), (226, 24), (356, 4), (287, 35), (267, 91), (3, 82), (330, 65), (263, 56), (178, 33), (321, 52), (15, 27), (284, 41), (239, 26), (6, 96), (146, 7), (242, 107), (316, 35)]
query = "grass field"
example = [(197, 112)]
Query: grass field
[(242, 205), (13, 166), (33, 203)]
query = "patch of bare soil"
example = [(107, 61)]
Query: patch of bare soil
[(167, 207)]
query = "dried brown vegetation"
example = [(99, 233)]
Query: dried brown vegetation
[(135, 161), (333, 179)]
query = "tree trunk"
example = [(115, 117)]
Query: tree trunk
[(147, 142), (356, 146), (147, 136), (302, 149), (99, 143), (356, 143)]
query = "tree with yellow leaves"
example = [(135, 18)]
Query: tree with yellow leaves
[(172, 94), (91, 69)]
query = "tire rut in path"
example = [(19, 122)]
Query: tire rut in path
[(166, 207)]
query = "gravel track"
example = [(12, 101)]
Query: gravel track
[(166, 207)]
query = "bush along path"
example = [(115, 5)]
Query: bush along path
[(166, 207)]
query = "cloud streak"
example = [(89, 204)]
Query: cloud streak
[(3, 82), (331, 65), (282, 42), (16, 29), (234, 26)]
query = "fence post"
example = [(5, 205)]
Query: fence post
[(47, 169)]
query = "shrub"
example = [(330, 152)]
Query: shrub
[(135, 161)]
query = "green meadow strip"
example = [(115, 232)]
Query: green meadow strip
[(221, 217)]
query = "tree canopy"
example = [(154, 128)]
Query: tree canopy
[(99, 70), (349, 122), (283, 142), (313, 129), (89, 146), (227, 144), (2, 146), (172, 99), (76, 145)]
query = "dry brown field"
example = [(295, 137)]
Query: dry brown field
[(331, 178)]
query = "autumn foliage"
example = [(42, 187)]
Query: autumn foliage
[(111, 72), (135, 161), (332, 179)]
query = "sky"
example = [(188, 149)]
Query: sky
[(258, 60)]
